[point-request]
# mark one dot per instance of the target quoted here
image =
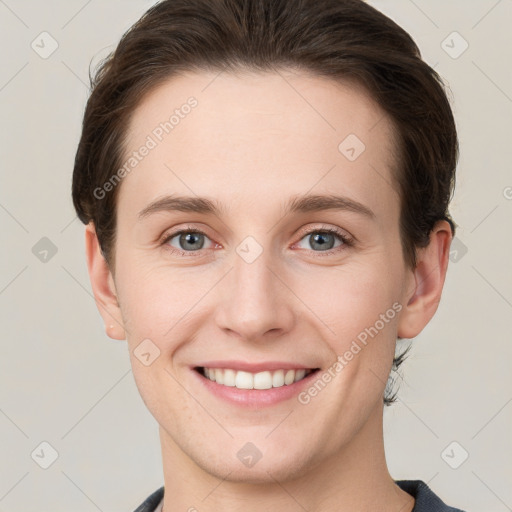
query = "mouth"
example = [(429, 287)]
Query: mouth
[(262, 380)]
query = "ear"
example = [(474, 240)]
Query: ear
[(428, 281), (103, 286)]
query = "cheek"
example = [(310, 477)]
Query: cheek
[(343, 302), (158, 300), (351, 300)]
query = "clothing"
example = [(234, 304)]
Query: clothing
[(426, 500), (152, 503)]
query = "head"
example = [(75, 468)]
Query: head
[(246, 107)]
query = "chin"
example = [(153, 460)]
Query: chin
[(273, 469)]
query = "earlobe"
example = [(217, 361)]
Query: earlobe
[(103, 286), (421, 302)]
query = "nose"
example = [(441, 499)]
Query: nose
[(255, 302)]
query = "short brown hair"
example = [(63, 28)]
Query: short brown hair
[(339, 39)]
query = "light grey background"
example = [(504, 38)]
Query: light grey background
[(64, 382)]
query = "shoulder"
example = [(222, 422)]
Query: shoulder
[(151, 502), (426, 500)]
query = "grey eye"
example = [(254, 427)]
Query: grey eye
[(322, 240), (188, 240)]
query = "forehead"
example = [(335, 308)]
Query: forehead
[(254, 133)]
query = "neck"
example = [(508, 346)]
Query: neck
[(355, 479)]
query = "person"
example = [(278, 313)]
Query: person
[(265, 187)]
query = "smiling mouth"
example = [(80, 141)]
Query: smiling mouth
[(260, 380)]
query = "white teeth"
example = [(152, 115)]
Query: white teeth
[(219, 376), (229, 378), (299, 374), (278, 379), (289, 377), (260, 380), (263, 380), (244, 380)]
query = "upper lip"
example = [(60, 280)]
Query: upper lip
[(254, 367)]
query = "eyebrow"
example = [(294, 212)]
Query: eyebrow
[(297, 204)]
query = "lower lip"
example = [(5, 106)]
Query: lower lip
[(255, 398)]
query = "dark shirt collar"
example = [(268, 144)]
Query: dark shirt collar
[(426, 500)]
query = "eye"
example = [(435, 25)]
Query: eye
[(186, 241), (324, 240)]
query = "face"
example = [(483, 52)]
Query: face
[(250, 278)]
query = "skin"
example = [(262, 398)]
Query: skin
[(252, 143)]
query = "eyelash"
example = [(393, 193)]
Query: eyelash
[(347, 241)]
